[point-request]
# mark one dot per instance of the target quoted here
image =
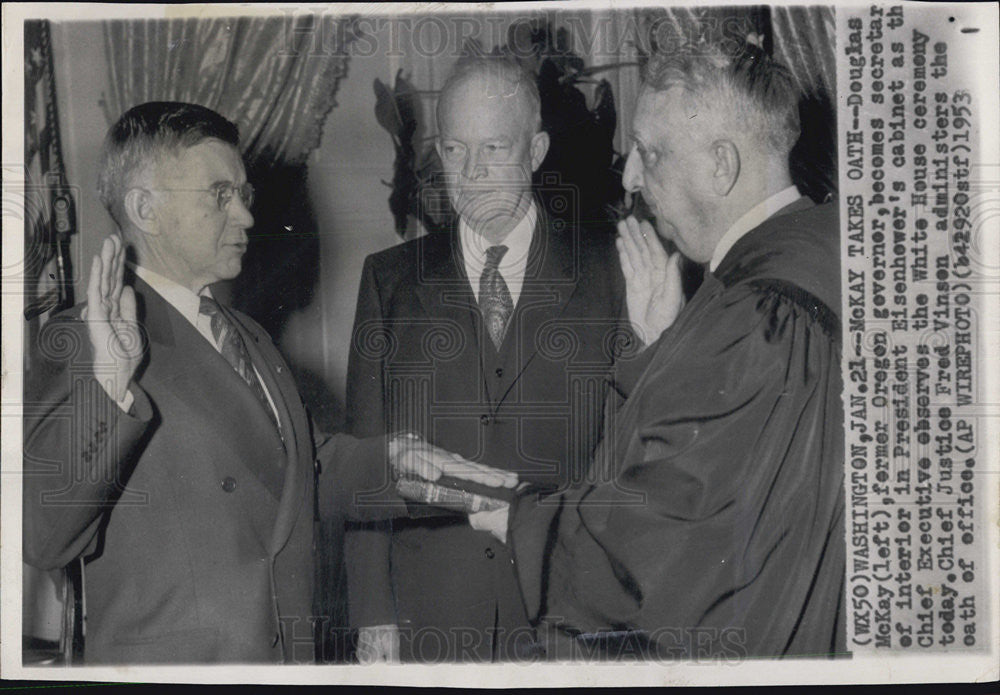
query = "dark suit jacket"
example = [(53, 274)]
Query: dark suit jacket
[(420, 360), (194, 518)]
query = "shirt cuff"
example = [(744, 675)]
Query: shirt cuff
[(126, 402)]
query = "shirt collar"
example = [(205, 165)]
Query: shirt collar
[(179, 297), (518, 243), (750, 220)]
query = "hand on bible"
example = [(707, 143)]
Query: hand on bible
[(411, 456), (111, 320), (653, 288)]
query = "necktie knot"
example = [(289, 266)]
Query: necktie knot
[(208, 306), (234, 350), (494, 254)]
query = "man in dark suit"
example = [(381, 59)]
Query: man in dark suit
[(712, 524), (165, 441), (492, 341)]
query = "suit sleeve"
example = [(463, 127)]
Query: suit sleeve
[(723, 486), (366, 546), (79, 447), (355, 480)]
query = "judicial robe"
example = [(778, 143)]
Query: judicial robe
[(711, 525)]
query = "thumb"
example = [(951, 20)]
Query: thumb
[(674, 269), (127, 305)]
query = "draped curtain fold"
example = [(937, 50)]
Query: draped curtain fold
[(275, 77)]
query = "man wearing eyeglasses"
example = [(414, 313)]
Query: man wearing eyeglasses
[(166, 444)]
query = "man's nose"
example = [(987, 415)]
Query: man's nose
[(632, 176), (239, 214), (471, 169)]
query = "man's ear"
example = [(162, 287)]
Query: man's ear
[(539, 148), (140, 211), (726, 157)]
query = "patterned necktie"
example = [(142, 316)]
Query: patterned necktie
[(494, 297), (231, 346)]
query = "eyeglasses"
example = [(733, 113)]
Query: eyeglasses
[(224, 193)]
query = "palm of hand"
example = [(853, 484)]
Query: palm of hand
[(654, 292), (111, 320)]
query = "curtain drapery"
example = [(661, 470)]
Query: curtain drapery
[(275, 77)]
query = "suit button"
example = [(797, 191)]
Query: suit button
[(489, 553), (229, 483), (484, 420), (499, 372)]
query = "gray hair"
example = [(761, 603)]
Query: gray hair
[(749, 91), (503, 73), (146, 132)]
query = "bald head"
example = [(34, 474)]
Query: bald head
[(490, 143), (498, 80)]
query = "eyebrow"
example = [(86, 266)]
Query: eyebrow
[(222, 182), (503, 139)]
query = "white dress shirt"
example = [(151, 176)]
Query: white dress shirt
[(513, 264), (750, 220), (188, 305)]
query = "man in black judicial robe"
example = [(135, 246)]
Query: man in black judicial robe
[(711, 524)]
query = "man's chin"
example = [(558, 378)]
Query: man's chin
[(494, 225), (665, 230), (231, 268)]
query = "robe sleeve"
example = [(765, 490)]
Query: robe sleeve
[(711, 517)]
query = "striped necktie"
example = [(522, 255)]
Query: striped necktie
[(231, 345)]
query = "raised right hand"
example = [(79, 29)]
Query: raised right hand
[(111, 320), (653, 288)]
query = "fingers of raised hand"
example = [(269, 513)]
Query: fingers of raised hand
[(127, 305), (95, 306), (652, 246), (631, 244), (107, 267), (118, 269), (673, 267), (125, 324)]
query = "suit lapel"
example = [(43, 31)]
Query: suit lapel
[(217, 400), (442, 285), (281, 386), (550, 280)]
